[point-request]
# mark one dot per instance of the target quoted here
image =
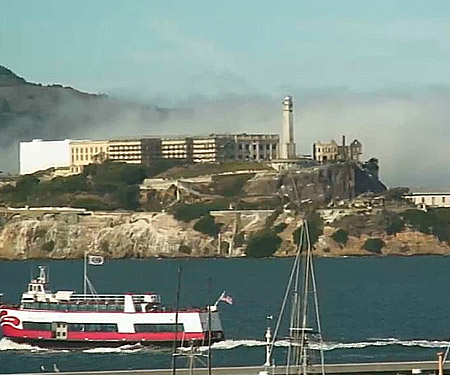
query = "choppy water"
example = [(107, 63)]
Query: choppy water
[(372, 309)]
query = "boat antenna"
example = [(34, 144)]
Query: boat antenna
[(177, 306)]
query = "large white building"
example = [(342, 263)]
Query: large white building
[(429, 199), (38, 155)]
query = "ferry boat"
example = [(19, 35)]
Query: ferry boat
[(65, 319)]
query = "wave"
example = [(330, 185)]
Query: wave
[(6, 344), (121, 349), (329, 345)]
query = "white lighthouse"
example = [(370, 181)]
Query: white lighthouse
[(287, 144)]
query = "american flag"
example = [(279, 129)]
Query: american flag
[(226, 298)]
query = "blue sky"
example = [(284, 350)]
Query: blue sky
[(377, 70), (212, 47)]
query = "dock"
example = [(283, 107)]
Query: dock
[(380, 368)]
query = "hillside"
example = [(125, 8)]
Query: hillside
[(29, 110)]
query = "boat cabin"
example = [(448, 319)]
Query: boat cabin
[(39, 297)]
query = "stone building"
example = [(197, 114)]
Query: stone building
[(256, 147), (325, 152), (86, 152)]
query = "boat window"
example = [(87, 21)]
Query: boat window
[(159, 327), (33, 326), (91, 327)]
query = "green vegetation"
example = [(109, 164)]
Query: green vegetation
[(315, 226), (340, 236), (230, 185), (196, 170), (396, 194), (106, 186), (207, 225), (48, 246), (279, 228), (262, 244), (374, 245), (436, 222), (189, 212), (394, 223), (185, 249)]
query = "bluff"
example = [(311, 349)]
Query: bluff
[(29, 110)]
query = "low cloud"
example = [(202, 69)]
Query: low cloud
[(406, 129)]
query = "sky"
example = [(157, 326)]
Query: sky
[(378, 70)]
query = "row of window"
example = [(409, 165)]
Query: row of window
[(255, 146), (159, 327), (81, 150), (102, 327), (87, 327), (73, 307), (122, 148), (433, 200)]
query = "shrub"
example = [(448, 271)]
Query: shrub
[(435, 222), (231, 186), (315, 226), (394, 224), (93, 204), (262, 244), (374, 245), (185, 249), (48, 246), (189, 212), (279, 228), (340, 236), (207, 225)]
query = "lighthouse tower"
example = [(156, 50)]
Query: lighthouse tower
[(287, 145)]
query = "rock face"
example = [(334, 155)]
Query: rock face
[(69, 235), (403, 243)]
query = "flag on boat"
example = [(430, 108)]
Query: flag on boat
[(224, 297), (95, 260)]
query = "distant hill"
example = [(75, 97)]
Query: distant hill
[(29, 110)]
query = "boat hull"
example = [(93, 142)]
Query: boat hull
[(47, 328)]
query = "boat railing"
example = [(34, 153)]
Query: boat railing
[(112, 298)]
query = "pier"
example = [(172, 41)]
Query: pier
[(388, 368)]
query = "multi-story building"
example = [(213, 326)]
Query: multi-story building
[(177, 148), (351, 152), (325, 151), (256, 147), (212, 149), (151, 150), (74, 155), (126, 151), (38, 155), (86, 152)]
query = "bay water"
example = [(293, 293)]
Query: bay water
[(372, 309)]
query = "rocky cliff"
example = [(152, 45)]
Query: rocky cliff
[(68, 235), (118, 235)]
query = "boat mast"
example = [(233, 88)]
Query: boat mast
[(305, 318)]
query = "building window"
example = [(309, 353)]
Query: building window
[(443, 199)]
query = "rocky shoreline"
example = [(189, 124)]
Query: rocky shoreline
[(68, 235)]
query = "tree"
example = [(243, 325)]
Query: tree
[(374, 245), (340, 236), (262, 244), (315, 226), (207, 225)]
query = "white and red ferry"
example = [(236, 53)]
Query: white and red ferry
[(65, 319)]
